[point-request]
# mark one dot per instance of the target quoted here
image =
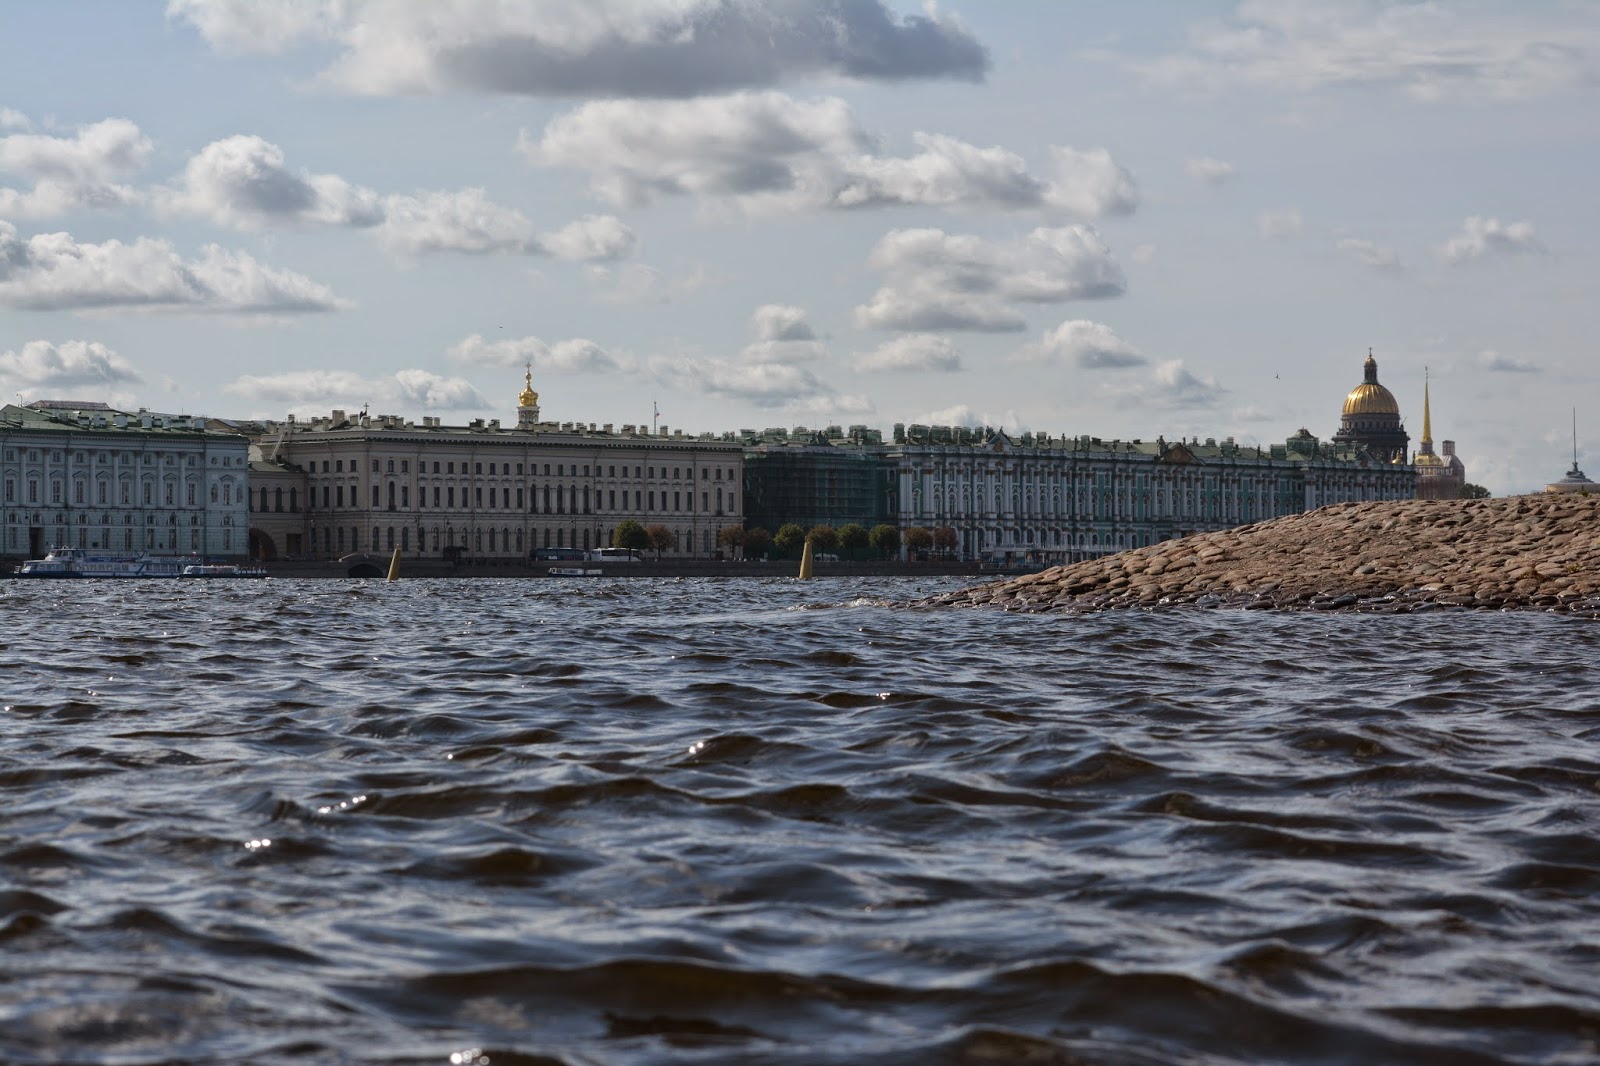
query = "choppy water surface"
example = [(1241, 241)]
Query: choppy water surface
[(778, 822)]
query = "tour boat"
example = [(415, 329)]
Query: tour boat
[(80, 562), (221, 570)]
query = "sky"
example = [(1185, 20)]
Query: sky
[(1122, 219)]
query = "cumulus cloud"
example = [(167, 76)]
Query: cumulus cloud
[(939, 281), (1085, 344), (637, 48), (573, 356), (1370, 255), (70, 173), (1171, 385), (1208, 170), (768, 151), (242, 182), (591, 238), (1280, 224), (783, 335), (12, 119), (334, 389), (53, 271), (761, 384), (41, 364), (1430, 51), (1091, 183), (465, 221), (912, 351), (1481, 237), (1492, 360)]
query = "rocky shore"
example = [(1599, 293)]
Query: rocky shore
[(1537, 552)]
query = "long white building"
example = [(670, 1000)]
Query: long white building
[(84, 475), (484, 491)]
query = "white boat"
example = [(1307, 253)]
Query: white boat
[(572, 571), (221, 570), (80, 562)]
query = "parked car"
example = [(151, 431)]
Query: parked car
[(558, 554)]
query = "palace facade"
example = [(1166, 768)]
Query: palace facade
[(483, 491), (85, 475)]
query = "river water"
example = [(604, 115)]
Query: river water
[(769, 821)]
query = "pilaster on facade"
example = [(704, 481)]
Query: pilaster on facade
[(84, 475)]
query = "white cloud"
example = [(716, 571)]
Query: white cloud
[(241, 182), (344, 389), (1488, 236), (781, 322), (761, 384), (1370, 255), (1091, 184), (940, 281), (768, 151), (591, 238), (98, 153), (53, 271), (576, 355), (71, 173), (648, 48), (41, 364), (434, 393), (466, 222), (49, 199), (1085, 344), (1490, 359), (783, 335), (1171, 385), (1208, 170), (1280, 224), (912, 351), (1428, 50), (12, 119)]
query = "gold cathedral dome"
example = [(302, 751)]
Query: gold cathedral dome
[(527, 397), (1370, 398)]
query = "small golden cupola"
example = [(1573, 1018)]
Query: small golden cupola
[(527, 401)]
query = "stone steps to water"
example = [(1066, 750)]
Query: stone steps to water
[(1537, 552)]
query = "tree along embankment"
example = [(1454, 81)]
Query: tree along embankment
[(1538, 552)]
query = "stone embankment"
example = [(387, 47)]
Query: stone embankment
[(1515, 553)]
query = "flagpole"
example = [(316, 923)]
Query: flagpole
[(655, 416)]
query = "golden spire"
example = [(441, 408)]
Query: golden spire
[(528, 398), (1427, 415)]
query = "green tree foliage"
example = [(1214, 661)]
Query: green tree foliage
[(918, 539), (853, 538), (756, 542), (823, 538), (1469, 491), (661, 539), (732, 538), (789, 539), (631, 535), (945, 540), (885, 540)]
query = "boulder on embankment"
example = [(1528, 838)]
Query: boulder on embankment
[(1537, 552)]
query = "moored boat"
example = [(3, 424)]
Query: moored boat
[(81, 562), (212, 570)]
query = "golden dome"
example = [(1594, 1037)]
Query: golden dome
[(527, 397), (1370, 398)]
